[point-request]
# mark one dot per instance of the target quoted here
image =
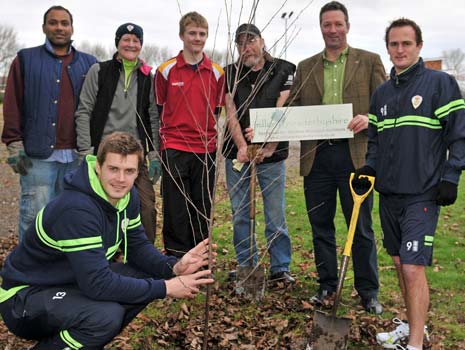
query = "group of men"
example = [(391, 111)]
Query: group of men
[(129, 128), (73, 223)]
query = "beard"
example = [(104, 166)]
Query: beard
[(251, 61)]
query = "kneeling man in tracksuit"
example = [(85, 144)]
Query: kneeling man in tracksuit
[(416, 149), (60, 286)]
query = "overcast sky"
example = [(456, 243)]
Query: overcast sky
[(442, 22)]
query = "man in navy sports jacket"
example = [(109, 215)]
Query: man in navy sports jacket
[(416, 150), (60, 285)]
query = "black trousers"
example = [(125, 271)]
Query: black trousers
[(63, 317), (329, 175), (187, 189)]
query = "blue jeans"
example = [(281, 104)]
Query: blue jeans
[(271, 178), (43, 182)]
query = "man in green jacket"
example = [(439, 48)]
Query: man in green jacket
[(338, 74)]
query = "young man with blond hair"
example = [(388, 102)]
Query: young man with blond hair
[(189, 92)]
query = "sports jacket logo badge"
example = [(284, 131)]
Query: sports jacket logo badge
[(130, 27), (59, 295), (124, 224), (383, 110), (416, 101)]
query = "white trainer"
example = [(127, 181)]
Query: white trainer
[(390, 340), (409, 347)]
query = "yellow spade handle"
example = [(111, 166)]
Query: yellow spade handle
[(358, 200)]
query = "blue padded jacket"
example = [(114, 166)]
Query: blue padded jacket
[(40, 70)]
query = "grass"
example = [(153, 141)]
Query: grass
[(446, 276)]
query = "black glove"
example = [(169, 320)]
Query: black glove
[(362, 184), (447, 193), (365, 170)]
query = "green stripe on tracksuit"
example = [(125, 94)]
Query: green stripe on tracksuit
[(66, 245), (452, 106), (87, 323), (73, 344), (412, 120)]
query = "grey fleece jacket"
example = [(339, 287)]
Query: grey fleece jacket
[(122, 115)]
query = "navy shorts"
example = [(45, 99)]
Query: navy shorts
[(408, 227)]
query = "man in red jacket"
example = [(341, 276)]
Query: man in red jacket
[(189, 90)]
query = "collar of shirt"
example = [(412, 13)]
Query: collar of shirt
[(341, 59), (204, 64), (405, 76), (334, 78), (408, 68), (49, 47)]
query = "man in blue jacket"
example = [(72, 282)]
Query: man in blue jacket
[(41, 95), (60, 285), (416, 150)]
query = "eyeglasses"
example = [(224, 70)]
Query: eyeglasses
[(249, 41)]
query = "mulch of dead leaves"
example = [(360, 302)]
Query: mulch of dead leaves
[(281, 320)]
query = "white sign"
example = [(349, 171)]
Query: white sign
[(301, 123)]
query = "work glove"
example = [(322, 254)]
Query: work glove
[(447, 193), (154, 167), (18, 160), (360, 182)]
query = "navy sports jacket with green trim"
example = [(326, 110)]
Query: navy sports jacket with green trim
[(416, 131), (76, 235)]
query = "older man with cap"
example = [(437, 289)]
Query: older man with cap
[(117, 95), (257, 80)]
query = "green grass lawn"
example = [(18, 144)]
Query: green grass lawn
[(446, 276)]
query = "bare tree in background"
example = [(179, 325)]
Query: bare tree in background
[(155, 55), (219, 57), (455, 62), (8, 48), (151, 53), (101, 52)]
